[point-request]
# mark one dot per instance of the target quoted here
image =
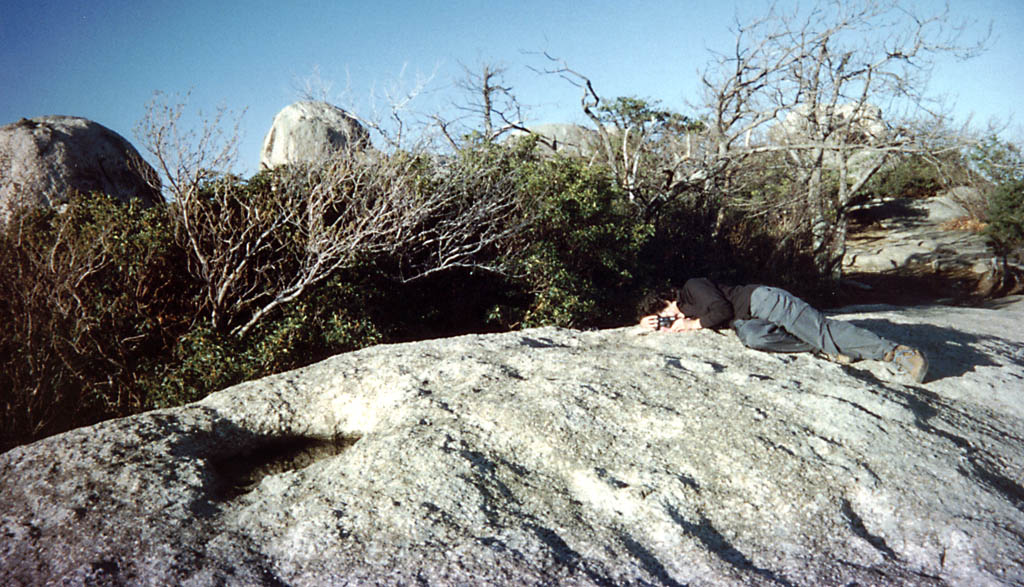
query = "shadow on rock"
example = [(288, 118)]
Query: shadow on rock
[(650, 562), (236, 459), (900, 210), (950, 352), (712, 539)]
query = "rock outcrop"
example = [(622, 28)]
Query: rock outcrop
[(553, 456), (849, 124), (42, 159), (906, 235), (864, 120), (566, 139), (902, 232), (308, 132)]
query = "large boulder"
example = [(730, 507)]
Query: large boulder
[(43, 159), (930, 247), (549, 457), (864, 123), (309, 132), (852, 124), (903, 232), (563, 138)]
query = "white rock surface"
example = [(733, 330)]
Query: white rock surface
[(554, 456), (308, 132), (914, 234), (864, 120), (567, 139), (42, 158)]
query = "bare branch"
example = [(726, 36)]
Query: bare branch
[(811, 85), (187, 157)]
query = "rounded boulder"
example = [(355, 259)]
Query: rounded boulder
[(308, 132), (44, 159)]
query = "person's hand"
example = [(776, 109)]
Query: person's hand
[(649, 322), (684, 324), (680, 324)]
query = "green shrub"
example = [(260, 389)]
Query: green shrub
[(581, 250), (113, 309), (1006, 217), (911, 176), (104, 319), (330, 319), (997, 161), (87, 296)]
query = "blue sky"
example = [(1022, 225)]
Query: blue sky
[(104, 59)]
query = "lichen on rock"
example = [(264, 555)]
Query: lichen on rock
[(44, 159), (554, 456)]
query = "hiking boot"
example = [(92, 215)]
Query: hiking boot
[(836, 358), (839, 358), (909, 360)]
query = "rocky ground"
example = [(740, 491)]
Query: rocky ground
[(925, 250), (554, 456)]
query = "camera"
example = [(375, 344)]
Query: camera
[(665, 321)]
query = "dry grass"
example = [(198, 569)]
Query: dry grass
[(965, 224)]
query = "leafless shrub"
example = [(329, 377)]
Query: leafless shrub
[(261, 244), (72, 335), (829, 69), (354, 208), (488, 100), (186, 156)]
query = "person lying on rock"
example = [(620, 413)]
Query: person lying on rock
[(772, 319)]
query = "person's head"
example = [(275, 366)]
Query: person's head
[(656, 301)]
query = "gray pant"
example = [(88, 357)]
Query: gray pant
[(783, 323)]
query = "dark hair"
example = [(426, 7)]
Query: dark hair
[(656, 300)]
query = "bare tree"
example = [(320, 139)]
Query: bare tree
[(491, 100), (205, 221), (314, 88), (184, 156), (391, 113), (641, 142), (589, 102), (352, 208), (257, 245), (813, 86)]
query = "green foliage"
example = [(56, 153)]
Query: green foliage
[(644, 145), (87, 295), (911, 177), (998, 161), (110, 309), (1006, 216), (103, 318), (201, 361), (582, 245), (326, 322), (1001, 163), (632, 112)]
